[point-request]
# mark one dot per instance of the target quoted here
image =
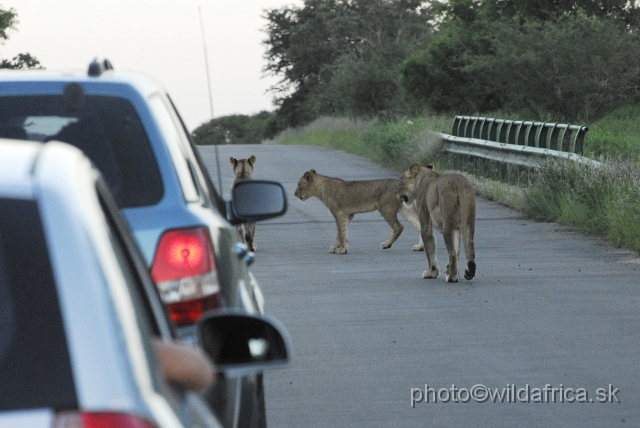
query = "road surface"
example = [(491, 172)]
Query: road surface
[(551, 321)]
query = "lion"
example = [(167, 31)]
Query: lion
[(243, 170), (344, 199), (446, 203)]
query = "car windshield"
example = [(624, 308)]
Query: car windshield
[(106, 128)]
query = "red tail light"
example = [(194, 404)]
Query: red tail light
[(100, 420), (185, 273)]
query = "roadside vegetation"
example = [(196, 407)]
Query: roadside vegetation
[(8, 24), (379, 77), (604, 202)]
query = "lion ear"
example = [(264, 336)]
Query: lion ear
[(307, 176), (430, 166), (232, 160), (415, 168), (313, 171), (252, 160)]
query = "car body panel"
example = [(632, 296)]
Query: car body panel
[(32, 418)]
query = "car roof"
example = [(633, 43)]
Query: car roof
[(16, 168), (144, 84)]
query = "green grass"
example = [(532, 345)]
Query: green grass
[(392, 144), (615, 135), (602, 201), (338, 133)]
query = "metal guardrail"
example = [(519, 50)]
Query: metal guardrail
[(520, 144)]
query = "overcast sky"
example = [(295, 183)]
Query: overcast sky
[(161, 38)]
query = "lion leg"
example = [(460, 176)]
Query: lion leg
[(250, 232), (396, 229), (342, 223), (430, 249), (452, 241), (409, 213)]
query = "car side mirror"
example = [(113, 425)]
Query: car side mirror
[(255, 200), (240, 343)]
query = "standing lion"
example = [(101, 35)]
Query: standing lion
[(243, 170), (447, 204), (344, 199)]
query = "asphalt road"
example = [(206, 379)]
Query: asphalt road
[(548, 307)]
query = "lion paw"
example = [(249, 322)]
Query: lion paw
[(451, 278), (431, 273), (338, 249), (470, 271), (418, 247), (385, 245)]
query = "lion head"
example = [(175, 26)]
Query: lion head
[(306, 185), (406, 188), (243, 168)]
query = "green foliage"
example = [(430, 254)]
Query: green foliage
[(8, 22), (615, 135), (604, 201), (21, 61), (471, 11), (341, 56), (438, 75), (235, 129), (395, 144), (578, 68)]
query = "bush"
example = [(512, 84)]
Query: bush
[(578, 68), (604, 201), (235, 129)]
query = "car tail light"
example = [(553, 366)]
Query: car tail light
[(100, 420), (185, 273)]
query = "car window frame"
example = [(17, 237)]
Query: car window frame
[(171, 135), (156, 311), (216, 199)]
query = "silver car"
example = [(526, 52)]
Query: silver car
[(82, 326)]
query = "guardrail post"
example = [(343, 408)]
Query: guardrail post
[(543, 137)]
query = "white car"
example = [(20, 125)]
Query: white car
[(81, 323)]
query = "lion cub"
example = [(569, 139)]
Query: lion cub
[(446, 203), (243, 170), (344, 199)]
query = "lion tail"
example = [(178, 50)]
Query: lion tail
[(467, 200)]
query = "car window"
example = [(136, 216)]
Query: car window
[(179, 156), (106, 128), (35, 367)]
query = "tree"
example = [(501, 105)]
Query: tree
[(341, 56), (8, 22), (541, 10), (438, 75), (560, 57), (21, 61), (578, 68)]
